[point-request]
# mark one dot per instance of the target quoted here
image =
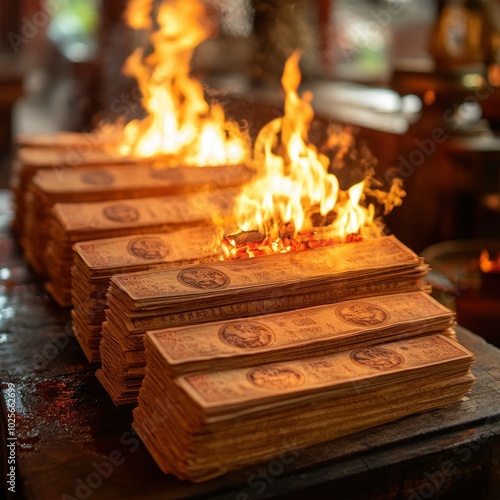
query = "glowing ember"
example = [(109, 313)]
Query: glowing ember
[(295, 203), (254, 244), (179, 122), (488, 265)]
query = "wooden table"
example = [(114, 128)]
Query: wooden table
[(69, 434)]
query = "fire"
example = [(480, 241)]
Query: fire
[(295, 203), (488, 265), (179, 122)]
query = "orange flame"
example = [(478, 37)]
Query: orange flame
[(179, 121), (488, 265), (294, 185), (138, 14)]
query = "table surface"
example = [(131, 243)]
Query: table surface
[(67, 427)]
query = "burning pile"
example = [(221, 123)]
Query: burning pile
[(157, 155), (295, 202), (177, 297), (179, 123), (179, 126)]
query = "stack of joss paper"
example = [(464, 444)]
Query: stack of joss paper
[(209, 422), (66, 140), (56, 151), (51, 186), (236, 289), (98, 260), (75, 222), (329, 328), (85, 144)]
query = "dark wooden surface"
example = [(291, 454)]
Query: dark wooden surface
[(67, 426)]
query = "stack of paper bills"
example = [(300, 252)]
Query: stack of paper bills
[(98, 260), (51, 186), (77, 222), (237, 289), (211, 422)]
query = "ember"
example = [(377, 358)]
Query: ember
[(179, 122), (488, 265), (251, 244), (295, 203)]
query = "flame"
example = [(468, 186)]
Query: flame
[(294, 186), (138, 14), (179, 122), (488, 265)]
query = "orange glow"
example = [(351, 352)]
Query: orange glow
[(429, 97), (179, 122), (494, 74), (294, 187), (488, 265)]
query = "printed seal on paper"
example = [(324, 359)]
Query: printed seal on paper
[(203, 278), (378, 358), (149, 248), (246, 334), (121, 213), (275, 377), (314, 261), (98, 178), (362, 314)]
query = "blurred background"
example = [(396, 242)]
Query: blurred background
[(417, 79)]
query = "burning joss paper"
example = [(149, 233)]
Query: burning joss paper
[(232, 290), (295, 202)]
